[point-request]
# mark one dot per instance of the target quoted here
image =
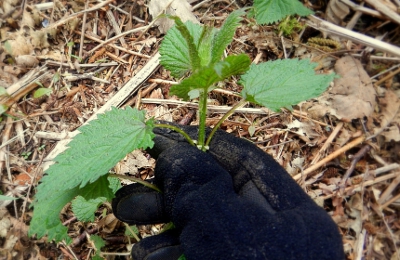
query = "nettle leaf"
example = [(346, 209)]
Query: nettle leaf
[(46, 218), (40, 92), (99, 146), (204, 46), (84, 209), (270, 11), (46, 215), (98, 243), (176, 51), (202, 80), (283, 83), (91, 197), (3, 197), (225, 34)]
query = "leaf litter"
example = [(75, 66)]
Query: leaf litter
[(365, 208)]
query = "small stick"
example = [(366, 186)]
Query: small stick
[(72, 16), (212, 109), (328, 142), (117, 37), (350, 170), (115, 47), (388, 191), (299, 114), (381, 7), (333, 29), (387, 203), (143, 94), (332, 156), (116, 28), (83, 29), (162, 81), (356, 188), (4, 139), (360, 244), (388, 76)]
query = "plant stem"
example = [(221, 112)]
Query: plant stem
[(228, 114), (202, 121), (177, 129), (138, 180)]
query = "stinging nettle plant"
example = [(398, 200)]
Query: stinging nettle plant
[(80, 174)]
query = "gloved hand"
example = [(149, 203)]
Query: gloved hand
[(232, 202)]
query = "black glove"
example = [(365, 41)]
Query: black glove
[(232, 202)]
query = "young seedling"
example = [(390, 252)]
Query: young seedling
[(80, 174)]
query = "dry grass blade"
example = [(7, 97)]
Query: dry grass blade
[(330, 28)]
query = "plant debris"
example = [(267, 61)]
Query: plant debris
[(343, 147)]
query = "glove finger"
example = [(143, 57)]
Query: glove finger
[(138, 204), (166, 138), (184, 170), (251, 166), (165, 246), (248, 165)]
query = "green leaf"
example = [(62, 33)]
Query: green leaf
[(283, 83), (3, 108), (270, 11), (134, 229), (115, 185), (225, 34), (205, 78), (99, 146), (3, 197), (98, 243), (40, 92), (91, 197), (7, 47), (84, 209), (56, 77), (3, 92), (46, 220), (205, 45), (178, 52)]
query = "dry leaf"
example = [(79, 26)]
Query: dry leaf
[(304, 129), (351, 97), (19, 46), (133, 162), (180, 8), (336, 11), (26, 61), (56, 55), (39, 39), (293, 167), (389, 118)]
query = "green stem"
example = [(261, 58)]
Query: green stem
[(132, 232), (202, 121), (138, 180), (228, 114), (177, 129)]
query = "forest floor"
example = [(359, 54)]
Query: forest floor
[(58, 69)]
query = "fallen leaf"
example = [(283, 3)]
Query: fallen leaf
[(180, 8), (352, 95), (389, 117), (27, 61), (336, 11), (304, 129), (133, 162), (19, 46)]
